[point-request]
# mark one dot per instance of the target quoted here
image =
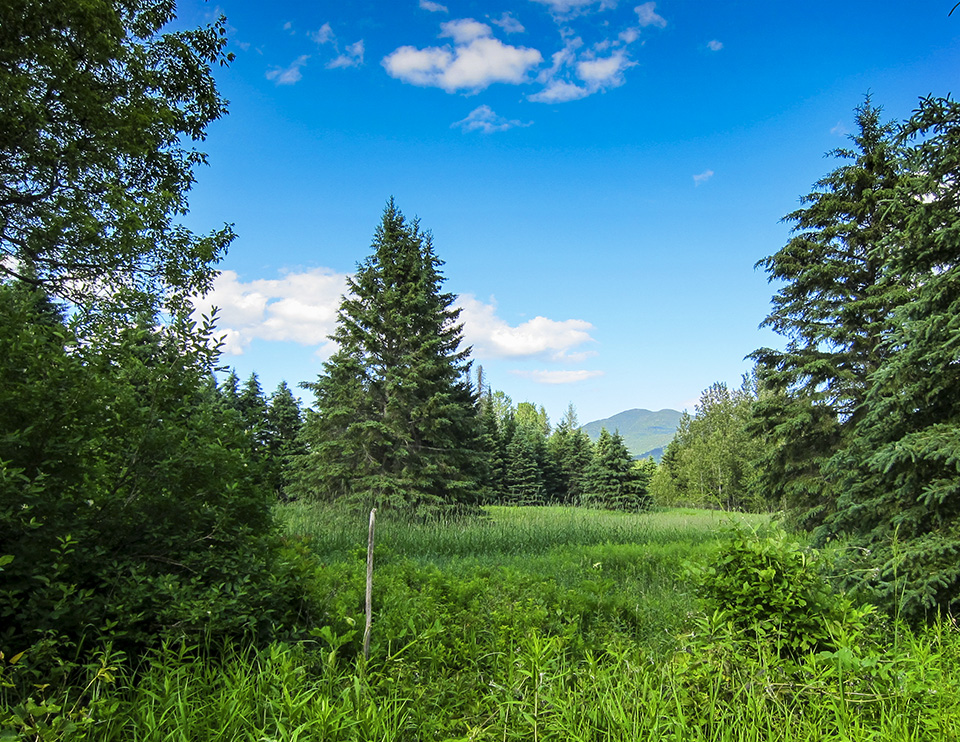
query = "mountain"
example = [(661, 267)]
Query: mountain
[(645, 433)]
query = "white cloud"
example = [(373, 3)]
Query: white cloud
[(558, 91), (300, 307), (324, 35), (483, 118), (476, 60), (352, 57), (289, 75), (433, 7), (629, 35), (839, 130), (702, 177), (559, 376), (493, 337), (605, 72), (575, 7), (714, 45), (571, 78), (648, 15), (508, 23), (464, 30)]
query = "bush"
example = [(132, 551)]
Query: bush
[(769, 589), (126, 500)]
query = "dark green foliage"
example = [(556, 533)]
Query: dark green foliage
[(903, 500), (283, 423), (612, 481), (771, 591), (572, 451), (834, 306), (97, 112), (524, 480), (124, 495), (864, 412), (396, 421)]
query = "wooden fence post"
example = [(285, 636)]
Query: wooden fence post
[(366, 630)]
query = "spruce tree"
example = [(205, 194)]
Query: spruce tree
[(524, 481), (612, 481), (396, 419), (901, 499), (572, 452), (833, 308), (283, 422)]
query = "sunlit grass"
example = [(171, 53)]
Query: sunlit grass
[(526, 624)]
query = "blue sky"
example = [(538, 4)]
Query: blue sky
[(599, 177)]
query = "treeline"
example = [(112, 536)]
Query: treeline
[(527, 462), (531, 464)]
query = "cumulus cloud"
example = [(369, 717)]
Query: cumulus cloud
[(288, 75), (483, 118), (302, 308), (559, 376), (508, 23), (352, 57), (299, 307), (714, 45), (648, 16), (433, 7), (464, 30), (541, 337), (474, 62), (702, 177)]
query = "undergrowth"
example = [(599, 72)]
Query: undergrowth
[(582, 626)]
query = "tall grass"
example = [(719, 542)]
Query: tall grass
[(538, 691), (529, 624), (504, 531)]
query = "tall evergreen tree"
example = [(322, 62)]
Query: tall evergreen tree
[(901, 495), (524, 480), (396, 420), (833, 308), (612, 481), (572, 452), (282, 435), (252, 406)]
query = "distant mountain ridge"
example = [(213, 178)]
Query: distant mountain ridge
[(645, 433)]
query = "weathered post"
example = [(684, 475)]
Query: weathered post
[(369, 623)]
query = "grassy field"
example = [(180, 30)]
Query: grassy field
[(531, 624)]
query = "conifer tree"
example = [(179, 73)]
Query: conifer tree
[(283, 422), (901, 494), (612, 481), (833, 309), (524, 478), (572, 450), (396, 420)]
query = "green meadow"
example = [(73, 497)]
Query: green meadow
[(522, 624)]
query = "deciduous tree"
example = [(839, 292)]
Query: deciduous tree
[(99, 111)]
